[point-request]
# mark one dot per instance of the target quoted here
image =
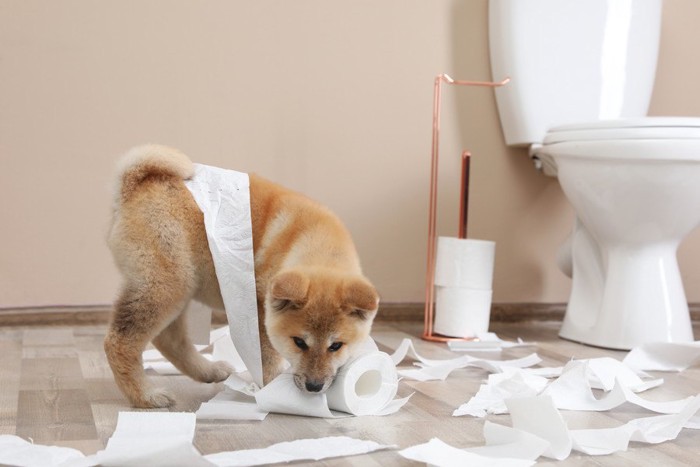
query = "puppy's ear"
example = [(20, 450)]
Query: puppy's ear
[(361, 297), (288, 290)]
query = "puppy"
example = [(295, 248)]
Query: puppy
[(315, 306)]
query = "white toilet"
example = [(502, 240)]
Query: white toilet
[(582, 73)]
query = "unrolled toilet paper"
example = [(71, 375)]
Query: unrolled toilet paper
[(461, 312), (223, 196), (464, 262)]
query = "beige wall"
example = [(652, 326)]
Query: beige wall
[(332, 98)]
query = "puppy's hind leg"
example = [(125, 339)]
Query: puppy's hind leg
[(174, 343), (139, 316)]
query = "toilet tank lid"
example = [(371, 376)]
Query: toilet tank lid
[(634, 128)]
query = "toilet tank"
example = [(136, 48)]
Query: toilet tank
[(571, 61)]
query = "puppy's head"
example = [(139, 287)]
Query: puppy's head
[(316, 319)]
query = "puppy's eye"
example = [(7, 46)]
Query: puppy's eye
[(300, 343), (335, 346)]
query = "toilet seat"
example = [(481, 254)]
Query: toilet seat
[(661, 138), (626, 129)]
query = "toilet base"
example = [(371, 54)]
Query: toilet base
[(639, 298)]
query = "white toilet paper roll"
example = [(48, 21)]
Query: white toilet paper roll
[(365, 385), (464, 262), (362, 387), (461, 312)]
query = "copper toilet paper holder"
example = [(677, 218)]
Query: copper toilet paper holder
[(428, 333)]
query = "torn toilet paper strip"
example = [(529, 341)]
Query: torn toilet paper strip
[(484, 342), (605, 372), (232, 404), (491, 397), (432, 369), (157, 439), (538, 416), (571, 391), (651, 430), (223, 349), (508, 442), (19, 452), (664, 356), (438, 453), (504, 446), (223, 196), (220, 348), (440, 372), (302, 449)]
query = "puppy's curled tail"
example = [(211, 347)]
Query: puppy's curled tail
[(146, 161)]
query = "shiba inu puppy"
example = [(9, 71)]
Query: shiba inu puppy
[(315, 307)]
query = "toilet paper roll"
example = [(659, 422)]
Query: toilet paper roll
[(461, 312), (464, 262), (362, 387)]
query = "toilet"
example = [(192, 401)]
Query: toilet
[(582, 73)]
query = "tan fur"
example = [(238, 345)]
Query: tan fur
[(309, 282)]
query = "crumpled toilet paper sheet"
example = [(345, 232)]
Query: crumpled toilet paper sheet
[(302, 449), (570, 391), (220, 348)]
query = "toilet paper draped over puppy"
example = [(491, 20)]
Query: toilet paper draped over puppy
[(223, 196)]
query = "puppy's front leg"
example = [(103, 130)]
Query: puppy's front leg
[(272, 361), (174, 343)]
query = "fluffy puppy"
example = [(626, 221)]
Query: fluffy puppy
[(315, 306)]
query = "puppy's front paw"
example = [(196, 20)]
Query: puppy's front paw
[(217, 372), (155, 399)]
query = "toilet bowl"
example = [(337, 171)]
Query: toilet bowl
[(633, 181), (634, 185)]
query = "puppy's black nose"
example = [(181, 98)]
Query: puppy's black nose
[(314, 386)]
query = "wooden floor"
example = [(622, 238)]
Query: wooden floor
[(56, 388)]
